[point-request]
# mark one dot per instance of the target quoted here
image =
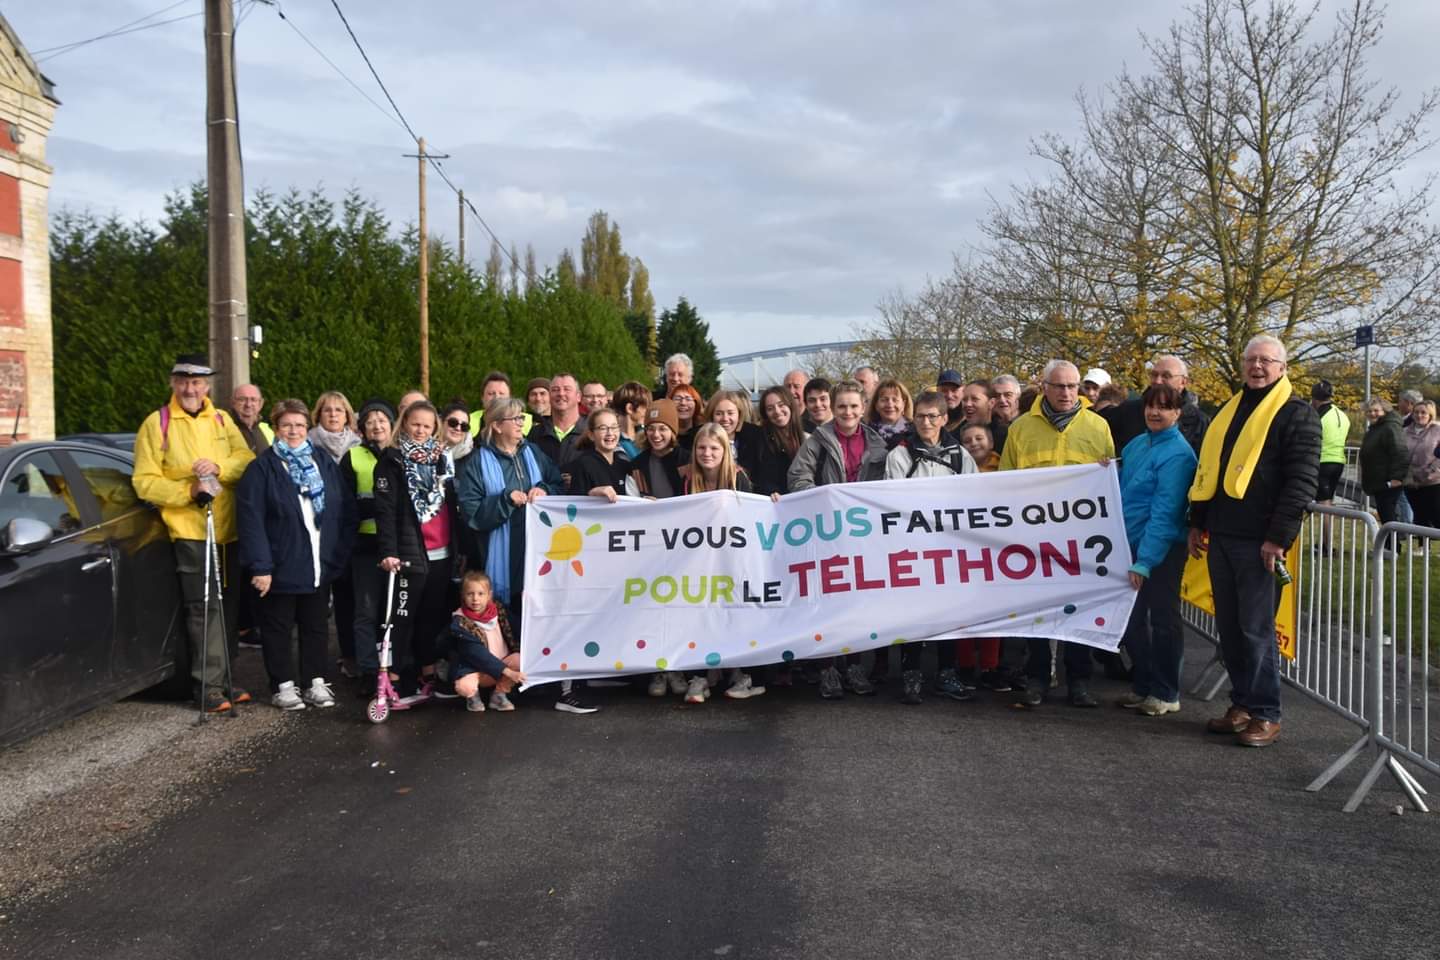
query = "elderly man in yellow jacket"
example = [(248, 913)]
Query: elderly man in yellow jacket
[(184, 450), (1056, 432)]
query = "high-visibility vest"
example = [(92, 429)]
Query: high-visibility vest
[(266, 432), (363, 462)]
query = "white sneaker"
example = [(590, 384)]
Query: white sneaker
[(677, 682), (500, 702), (697, 691), (743, 688), (658, 686), (475, 704), (286, 698), (1155, 707), (320, 694)]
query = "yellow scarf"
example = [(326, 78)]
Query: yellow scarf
[(1245, 455)]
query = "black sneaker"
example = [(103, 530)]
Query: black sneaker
[(911, 683), (571, 703), (830, 688), (1031, 694), (810, 673), (947, 684), (995, 680), (1080, 696)]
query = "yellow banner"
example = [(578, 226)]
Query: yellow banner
[(1195, 589)]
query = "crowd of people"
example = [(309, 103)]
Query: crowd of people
[(418, 509)]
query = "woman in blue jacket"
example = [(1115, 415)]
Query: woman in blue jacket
[(297, 525), (1156, 470), (496, 483)]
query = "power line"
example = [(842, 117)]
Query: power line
[(343, 75), (366, 57), (134, 26), (410, 130)]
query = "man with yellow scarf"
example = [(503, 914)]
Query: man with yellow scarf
[(1259, 464)]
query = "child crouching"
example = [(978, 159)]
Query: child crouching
[(483, 650)]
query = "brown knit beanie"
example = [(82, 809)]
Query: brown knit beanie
[(663, 411), (537, 382)]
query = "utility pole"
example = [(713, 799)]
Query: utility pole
[(422, 157), (424, 283), (462, 225), (229, 311)]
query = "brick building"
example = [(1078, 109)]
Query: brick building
[(27, 110)]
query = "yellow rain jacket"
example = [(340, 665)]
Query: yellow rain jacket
[(163, 473), (1034, 442)]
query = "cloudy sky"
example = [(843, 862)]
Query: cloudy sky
[(782, 165)]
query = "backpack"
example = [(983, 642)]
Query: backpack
[(956, 460), (165, 426)]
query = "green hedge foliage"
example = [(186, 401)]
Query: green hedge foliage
[(336, 292)]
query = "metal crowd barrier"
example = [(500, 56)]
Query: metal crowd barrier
[(1362, 641), (1333, 579), (1401, 682)]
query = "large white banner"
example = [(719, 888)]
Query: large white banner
[(732, 580)]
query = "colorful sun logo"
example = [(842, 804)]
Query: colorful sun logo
[(566, 542)]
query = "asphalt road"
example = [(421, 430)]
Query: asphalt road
[(778, 827)]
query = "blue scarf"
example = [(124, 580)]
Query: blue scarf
[(300, 461), (497, 556)]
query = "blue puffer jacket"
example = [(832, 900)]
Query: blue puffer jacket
[(273, 538), (1156, 470)]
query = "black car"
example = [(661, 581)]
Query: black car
[(89, 602)]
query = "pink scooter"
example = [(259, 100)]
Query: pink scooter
[(386, 697)]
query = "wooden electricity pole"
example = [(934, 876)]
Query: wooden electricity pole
[(424, 283), (229, 311), (462, 225)]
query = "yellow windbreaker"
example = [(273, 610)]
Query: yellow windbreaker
[(1033, 442), (163, 477)]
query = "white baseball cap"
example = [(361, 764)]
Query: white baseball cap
[(1096, 376)]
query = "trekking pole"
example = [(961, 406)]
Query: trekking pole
[(205, 614), (234, 710)]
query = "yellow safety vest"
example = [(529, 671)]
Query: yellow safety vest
[(266, 432), (363, 462)]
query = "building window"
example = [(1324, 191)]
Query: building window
[(9, 204), (12, 294)]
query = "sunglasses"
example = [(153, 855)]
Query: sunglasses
[(455, 423)]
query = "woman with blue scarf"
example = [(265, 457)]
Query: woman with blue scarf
[(496, 483), (297, 524)]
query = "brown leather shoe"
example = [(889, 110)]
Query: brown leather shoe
[(1259, 733), (1236, 719)]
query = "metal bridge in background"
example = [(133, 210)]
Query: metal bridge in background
[(765, 368)]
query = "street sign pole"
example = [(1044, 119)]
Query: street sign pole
[(1365, 337)]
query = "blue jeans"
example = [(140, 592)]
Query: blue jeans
[(1245, 599), (1155, 635), (368, 585)]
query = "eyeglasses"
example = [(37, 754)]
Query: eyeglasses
[(455, 423), (519, 419), (1263, 361), (1062, 386), (607, 429), (929, 416)]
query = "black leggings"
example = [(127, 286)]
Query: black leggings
[(419, 614)]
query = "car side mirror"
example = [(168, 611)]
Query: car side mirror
[(25, 535)]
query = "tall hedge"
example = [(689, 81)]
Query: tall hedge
[(335, 289)]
